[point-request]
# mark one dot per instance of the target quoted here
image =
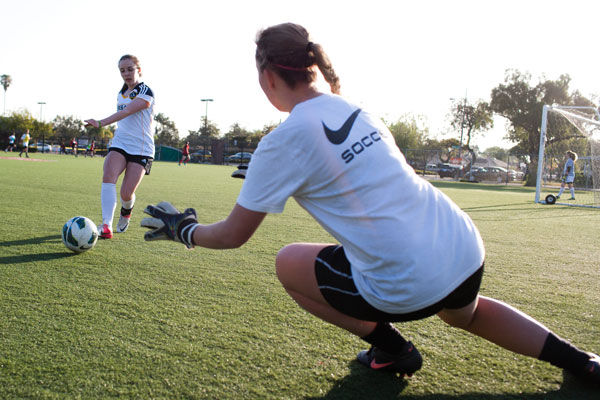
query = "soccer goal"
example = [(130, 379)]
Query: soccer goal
[(569, 128)]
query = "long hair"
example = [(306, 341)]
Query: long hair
[(287, 50), (572, 154)]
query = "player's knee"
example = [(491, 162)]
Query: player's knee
[(282, 265)]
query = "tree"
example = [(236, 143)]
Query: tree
[(5, 80), (18, 121), (470, 119), (67, 127), (409, 132), (497, 152), (166, 132), (521, 104), (209, 129)]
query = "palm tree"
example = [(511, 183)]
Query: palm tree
[(5, 80)]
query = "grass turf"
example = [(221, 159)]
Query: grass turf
[(131, 319)]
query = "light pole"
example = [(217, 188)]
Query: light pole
[(462, 127), (41, 103), (206, 114)]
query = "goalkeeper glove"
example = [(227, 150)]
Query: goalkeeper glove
[(167, 223)]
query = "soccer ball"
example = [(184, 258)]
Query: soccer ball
[(79, 234)]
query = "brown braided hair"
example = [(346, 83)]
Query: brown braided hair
[(287, 50)]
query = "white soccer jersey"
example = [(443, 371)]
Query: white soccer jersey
[(134, 134), (571, 171), (408, 244)]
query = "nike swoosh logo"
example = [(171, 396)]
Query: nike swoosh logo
[(375, 365), (340, 135)]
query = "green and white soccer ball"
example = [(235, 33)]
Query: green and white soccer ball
[(79, 234)]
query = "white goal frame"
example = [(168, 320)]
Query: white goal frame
[(545, 110)]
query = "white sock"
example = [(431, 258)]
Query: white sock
[(108, 199), (572, 192), (561, 191), (128, 205)]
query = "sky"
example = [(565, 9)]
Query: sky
[(393, 57)]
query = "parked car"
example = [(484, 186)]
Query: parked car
[(489, 174), (41, 147), (446, 170), (475, 174), (240, 157), (432, 167), (201, 156)]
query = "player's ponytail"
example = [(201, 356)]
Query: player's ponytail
[(325, 67), (287, 50)]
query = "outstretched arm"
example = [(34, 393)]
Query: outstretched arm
[(136, 105), (230, 233), (167, 223)]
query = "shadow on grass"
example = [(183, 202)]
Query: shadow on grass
[(38, 240), (24, 258), (362, 383)]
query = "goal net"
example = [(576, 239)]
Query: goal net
[(576, 129)]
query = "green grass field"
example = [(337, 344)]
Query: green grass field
[(131, 319)]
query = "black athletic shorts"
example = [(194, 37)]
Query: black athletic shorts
[(334, 277), (144, 161)]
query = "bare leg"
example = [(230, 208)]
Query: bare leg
[(501, 324), (133, 176), (295, 265)]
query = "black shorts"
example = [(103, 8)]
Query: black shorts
[(144, 161), (334, 277)]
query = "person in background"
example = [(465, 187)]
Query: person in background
[(73, 144), (568, 175), (185, 154), (11, 143), (25, 138), (132, 149), (91, 147)]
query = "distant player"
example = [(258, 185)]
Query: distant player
[(25, 138), (74, 146), (11, 143), (132, 148), (185, 154), (568, 175), (405, 252), (91, 148)]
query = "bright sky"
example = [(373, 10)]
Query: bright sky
[(393, 57)]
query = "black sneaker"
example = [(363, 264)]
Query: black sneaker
[(406, 362), (591, 372)]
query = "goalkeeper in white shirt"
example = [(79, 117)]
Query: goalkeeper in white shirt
[(405, 251)]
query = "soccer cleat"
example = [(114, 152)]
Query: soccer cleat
[(104, 232), (557, 196), (123, 223), (572, 198), (406, 363), (591, 372)]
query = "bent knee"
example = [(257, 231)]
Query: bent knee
[(283, 262)]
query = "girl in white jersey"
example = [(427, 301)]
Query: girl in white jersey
[(132, 148), (568, 175), (406, 250)]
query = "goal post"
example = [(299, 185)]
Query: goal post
[(580, 128)]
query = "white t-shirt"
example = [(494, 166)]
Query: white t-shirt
[(134, 133), (408, 244), (569, 163)]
